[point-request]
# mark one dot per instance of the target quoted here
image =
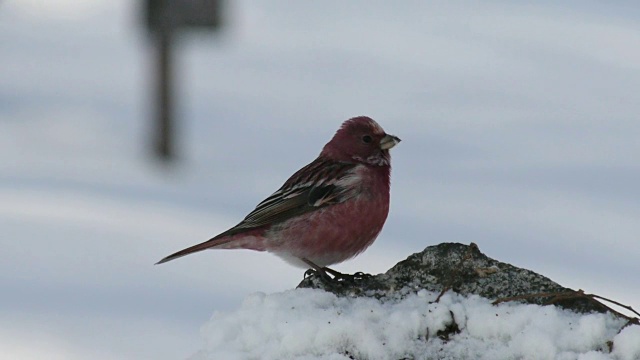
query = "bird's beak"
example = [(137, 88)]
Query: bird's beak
[(389, 141)]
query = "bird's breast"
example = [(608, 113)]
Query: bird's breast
[(338, 232)]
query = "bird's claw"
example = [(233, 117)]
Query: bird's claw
[(320, 274), (309, 273), (338, 277), (361, 276), (351, 277)]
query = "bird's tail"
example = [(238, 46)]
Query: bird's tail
[(195, 248)]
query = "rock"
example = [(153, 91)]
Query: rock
[(462, 269)]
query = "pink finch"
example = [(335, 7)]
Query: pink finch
[(328, 211)]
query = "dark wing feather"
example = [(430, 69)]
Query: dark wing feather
[(312, 187)]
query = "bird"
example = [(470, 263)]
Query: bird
[(328, 211)]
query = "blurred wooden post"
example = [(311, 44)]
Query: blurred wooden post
[(164, 18), (163, 136)]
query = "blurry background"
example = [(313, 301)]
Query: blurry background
[(519, 125)]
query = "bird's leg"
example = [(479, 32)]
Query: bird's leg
[(319, 270)]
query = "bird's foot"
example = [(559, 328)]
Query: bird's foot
[(338, 276), (320, 273), (323, 273)]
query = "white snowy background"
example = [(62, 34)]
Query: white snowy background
[(520, 133)]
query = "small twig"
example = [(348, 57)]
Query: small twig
[(615, 302), (555, 297), (630, 319)]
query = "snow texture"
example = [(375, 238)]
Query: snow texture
[(315, 324)]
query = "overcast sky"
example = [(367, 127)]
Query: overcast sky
[(519, 125)]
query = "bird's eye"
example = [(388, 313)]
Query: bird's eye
[(367, 139)]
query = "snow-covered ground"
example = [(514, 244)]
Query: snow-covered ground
[(314, 324)]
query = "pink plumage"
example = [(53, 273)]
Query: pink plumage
[(328, 211)]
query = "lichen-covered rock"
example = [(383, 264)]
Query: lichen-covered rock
[(462, 269)]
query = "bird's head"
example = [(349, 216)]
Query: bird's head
[(360, 139)]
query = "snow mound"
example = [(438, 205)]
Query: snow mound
[(314, 324)]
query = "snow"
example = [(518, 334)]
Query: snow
[(314, 324), (627, 345)]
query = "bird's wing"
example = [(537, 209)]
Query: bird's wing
[(319, 184)]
